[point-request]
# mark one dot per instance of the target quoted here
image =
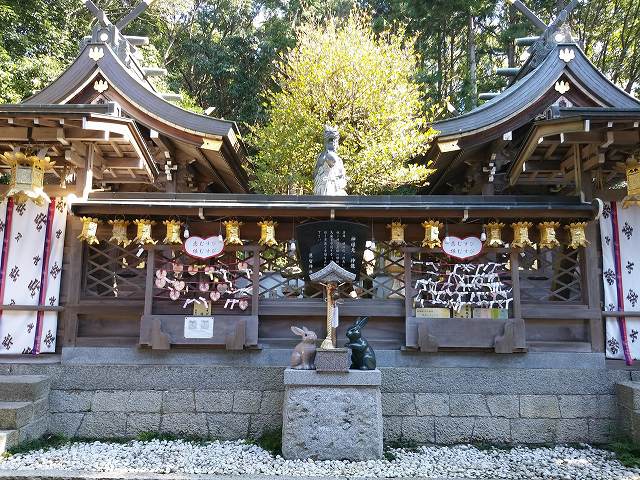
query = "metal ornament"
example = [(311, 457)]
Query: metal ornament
[(633, 185), (548, 234), (397, 233), (89, 230), (27, 177), (494, 234), (432, 234), (232, 232), (172, 236), (119, 232), (578, 237), (143, 232), (267, 233), (521, 234)]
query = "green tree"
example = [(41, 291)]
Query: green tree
[(342, 74)]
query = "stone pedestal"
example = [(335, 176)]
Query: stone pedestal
[(332, 416), (333, 360)]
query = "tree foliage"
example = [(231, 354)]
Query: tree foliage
[(344, 75)]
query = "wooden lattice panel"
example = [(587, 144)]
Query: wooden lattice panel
[(112, 271), (551, 276)]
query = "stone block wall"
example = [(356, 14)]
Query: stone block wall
[(424, 405), (532, 406)]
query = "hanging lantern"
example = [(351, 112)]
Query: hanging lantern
[(27, 177), (143, 232), (89, 230), (397, 233), (521, 234), (578, 237), (119, 232), (432, 234), (232, 232), (267, 233), (548, 234), (494, 234), (172, 236), (633, 184)]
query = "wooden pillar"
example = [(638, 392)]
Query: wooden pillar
[(72, 278)]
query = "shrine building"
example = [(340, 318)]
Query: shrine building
[(145, 288)]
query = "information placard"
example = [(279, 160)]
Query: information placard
[(198, 327)]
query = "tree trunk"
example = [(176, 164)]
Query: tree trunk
[(473, 74)]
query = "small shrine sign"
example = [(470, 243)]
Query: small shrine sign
[(204, 248), (462, 248), (198, 327)]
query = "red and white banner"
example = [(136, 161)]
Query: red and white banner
[(30, 271)]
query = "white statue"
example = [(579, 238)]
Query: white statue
[(329, 177)]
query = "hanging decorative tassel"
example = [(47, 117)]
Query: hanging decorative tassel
[(89, 230), (397, 233), (432, 234), (494, 234), (232, 232), (521, 234), (119, 232), (172, 236), (548, 234), (143, 232), (267, 233), (578, 237)]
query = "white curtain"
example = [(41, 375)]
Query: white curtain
[(32, 243), (620, 237)]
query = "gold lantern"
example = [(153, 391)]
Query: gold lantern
[(143, 232), (232, 232), (172, 236), (89, 230), (633, 184), (267, 233), (397, 233), (548, 234), (27, 177), (578, 237), (431, 234), (521, 234), (494, 234), (119, 232)]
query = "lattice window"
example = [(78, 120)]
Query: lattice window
[(382, 274), (112, 271), (551, 276), (224, 282)]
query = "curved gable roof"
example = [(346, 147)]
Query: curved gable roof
[(524, 92)]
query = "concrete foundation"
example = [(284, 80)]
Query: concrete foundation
[(332, 416)]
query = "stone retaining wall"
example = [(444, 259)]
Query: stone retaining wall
[(442, 405)]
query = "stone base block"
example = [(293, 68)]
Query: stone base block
[(332, 416), (333, 360)]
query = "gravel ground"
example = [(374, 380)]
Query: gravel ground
[(239, 458)]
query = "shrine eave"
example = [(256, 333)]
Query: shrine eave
[(352, 206)]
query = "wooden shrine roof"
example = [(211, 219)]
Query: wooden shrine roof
[(352, 206)]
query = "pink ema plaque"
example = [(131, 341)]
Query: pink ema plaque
[(462, 248)]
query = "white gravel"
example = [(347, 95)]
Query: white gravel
[(240, 458)]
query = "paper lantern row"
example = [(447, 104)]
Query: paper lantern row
[(521, 237), (144, 233)]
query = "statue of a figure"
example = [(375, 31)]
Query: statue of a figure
[(329, 177)]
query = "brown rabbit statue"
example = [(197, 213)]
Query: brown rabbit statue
[(304, 355)]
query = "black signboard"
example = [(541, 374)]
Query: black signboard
[(320, 243)]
